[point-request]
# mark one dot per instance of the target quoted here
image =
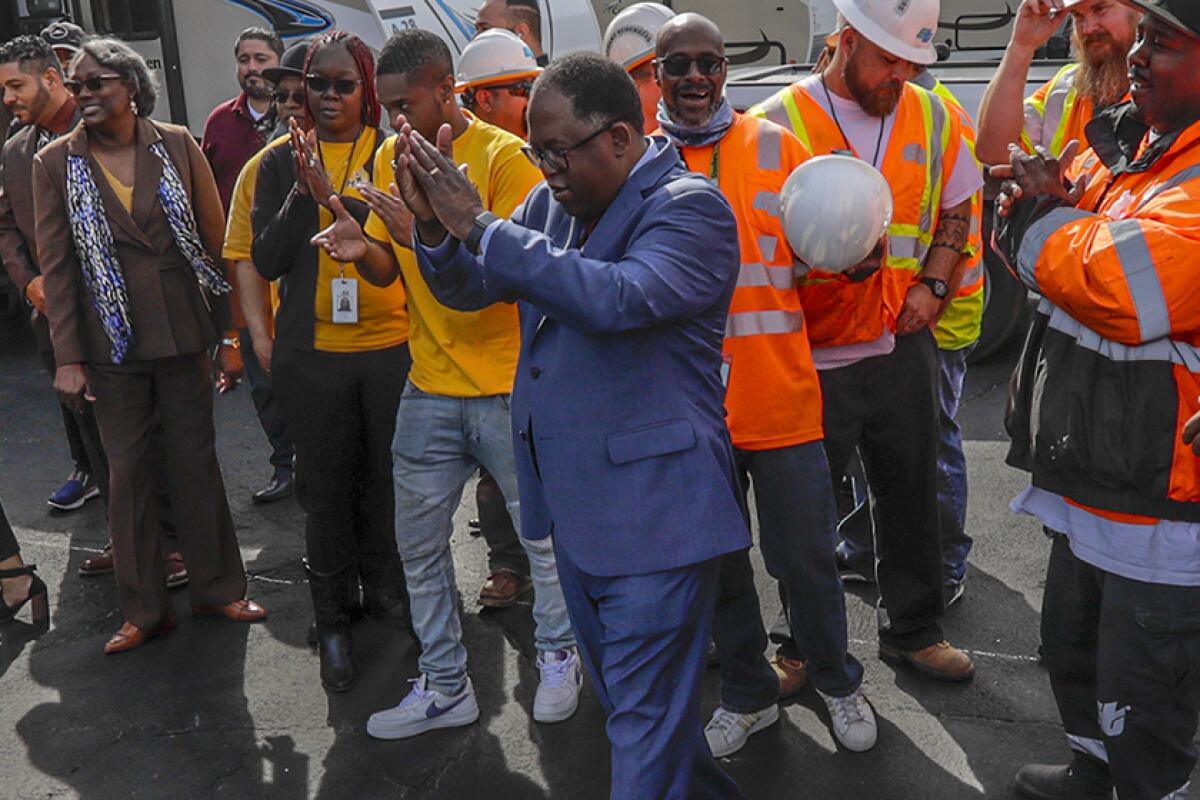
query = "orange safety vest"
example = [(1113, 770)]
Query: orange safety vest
[(773, 398), (920, 156), (962, 323)]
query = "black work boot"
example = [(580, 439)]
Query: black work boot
[(333, 596), (384, 590), (1083, 779)]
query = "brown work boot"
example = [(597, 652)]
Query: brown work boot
[(942, 661), (502, 588), (792, 674)]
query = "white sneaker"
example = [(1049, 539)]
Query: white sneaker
[(853, 720), (424, 710), (727, 731), (558, 693)]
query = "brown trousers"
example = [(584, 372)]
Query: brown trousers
[(176, 394)]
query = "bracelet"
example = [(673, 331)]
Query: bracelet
[(231, 341)]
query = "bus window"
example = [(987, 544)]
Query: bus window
[(128, 19)]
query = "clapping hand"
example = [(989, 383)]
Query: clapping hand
[(390, 207), (310, 174), (1027, 176), (344, 240), (442, 184)]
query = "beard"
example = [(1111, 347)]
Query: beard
[(37, 106), (1103, 75), (878, 101), (259, 90)]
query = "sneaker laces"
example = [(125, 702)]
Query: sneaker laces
[(417, 694), (555, 667), (850, 709), (724, 721)]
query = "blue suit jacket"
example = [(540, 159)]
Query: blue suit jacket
[(618, 416)]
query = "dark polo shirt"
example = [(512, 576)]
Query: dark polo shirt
[(231, 137)]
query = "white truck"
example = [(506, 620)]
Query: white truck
[(189, 45)]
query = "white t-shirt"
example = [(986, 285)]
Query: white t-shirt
[(863, 131)]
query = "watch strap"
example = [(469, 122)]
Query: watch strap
[(475, 237), (939, 287)]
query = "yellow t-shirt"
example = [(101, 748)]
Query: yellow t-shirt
[(456, 353), (124, 193), (238, 233)]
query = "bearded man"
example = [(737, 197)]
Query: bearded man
[(1102, 32)]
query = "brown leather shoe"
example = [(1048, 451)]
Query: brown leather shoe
[(130, 636), (502, 588), (97, 565), (942, 661), (792, 673), (176, 570), (239, 611)]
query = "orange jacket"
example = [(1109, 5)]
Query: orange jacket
[(1112, 367), (773, 397), (921, 153)]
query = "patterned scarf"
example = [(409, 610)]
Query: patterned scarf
[(97, 254), (708, 133)]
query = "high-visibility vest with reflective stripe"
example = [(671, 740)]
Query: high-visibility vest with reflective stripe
[(773, 398), (1055, 114), (1119, 281), (962, 323), (841, 311)]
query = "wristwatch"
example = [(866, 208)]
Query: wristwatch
[(475, 237), (939, 287)]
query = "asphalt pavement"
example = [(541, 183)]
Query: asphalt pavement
[(222, 710)]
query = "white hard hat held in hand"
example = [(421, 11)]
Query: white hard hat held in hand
[(630, 38), (835, 210), (492, 56), (904, 28)]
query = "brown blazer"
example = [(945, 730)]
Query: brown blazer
[(169, 311)]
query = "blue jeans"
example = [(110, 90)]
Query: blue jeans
[(855, 530), (440, 442)]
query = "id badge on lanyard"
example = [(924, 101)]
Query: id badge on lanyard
[(345, 299)]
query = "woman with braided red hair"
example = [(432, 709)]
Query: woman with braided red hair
[(341, 353)]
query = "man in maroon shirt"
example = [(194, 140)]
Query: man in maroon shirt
[(238, 128)]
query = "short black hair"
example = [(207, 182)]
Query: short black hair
[(600, 90), (32, 53), (263, 35), (409, 52), (128, 63)]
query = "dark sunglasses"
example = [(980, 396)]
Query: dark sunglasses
[(521, 89), (93, 84), (342, 86), (679, 66), (297, 97), (554, 159)]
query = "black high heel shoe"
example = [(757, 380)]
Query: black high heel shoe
[(37, 594)]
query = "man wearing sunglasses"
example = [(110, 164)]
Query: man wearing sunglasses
[(773, 403), (495, 73), (622, 265)]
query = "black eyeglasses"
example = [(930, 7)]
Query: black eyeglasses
[(553, 159), (281, 96), (679, 65), (342, 86), (93, 84)]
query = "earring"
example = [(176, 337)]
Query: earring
[(133, 107)]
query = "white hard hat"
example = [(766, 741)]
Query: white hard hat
[(631, 36), (493, 56), (835, 211), (904, 28)]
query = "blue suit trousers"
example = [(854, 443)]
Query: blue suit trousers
[(643, 639)]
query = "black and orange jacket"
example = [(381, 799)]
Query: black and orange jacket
[(1111, 366)]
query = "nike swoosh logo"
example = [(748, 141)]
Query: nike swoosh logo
[(433, 712)]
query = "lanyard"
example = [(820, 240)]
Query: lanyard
[(842, 131), (714, 166), (349, 161)]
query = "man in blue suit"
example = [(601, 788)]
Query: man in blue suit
[(623, 265)]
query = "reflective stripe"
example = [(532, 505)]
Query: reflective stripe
[(1060, 101), (1172, 182), (767, 275), (1149, 300), (771, 110), (972, 275), (906, 248), (753, 323), (783, 111), (937, 130), (768, 202), (767, 245), (1093, 747), (1165, 350), (770, 148), (1035, 240)]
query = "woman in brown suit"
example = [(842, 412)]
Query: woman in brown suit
[(129, 229)]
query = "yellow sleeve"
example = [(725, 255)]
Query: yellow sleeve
[(382, 177), (512, 178), (1035, 116), (238, 234)]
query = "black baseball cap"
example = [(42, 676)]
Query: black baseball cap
[(292, 63), (64, 36), (1183, 14)]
